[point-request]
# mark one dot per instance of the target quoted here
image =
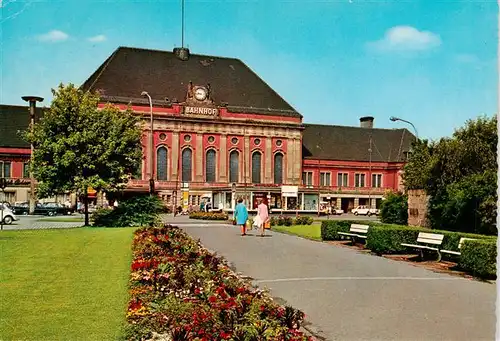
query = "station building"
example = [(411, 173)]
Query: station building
[(220, 132)]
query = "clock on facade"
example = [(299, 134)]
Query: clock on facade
[(200, 94)]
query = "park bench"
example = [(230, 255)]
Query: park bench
[(427, 238), (460, 243), (356, 230)]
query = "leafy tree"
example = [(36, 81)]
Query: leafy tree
[(79, 146), (394, 209), (459, 174)]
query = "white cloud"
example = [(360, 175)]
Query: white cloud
[(406, 38), (97, 39), (53, 36)]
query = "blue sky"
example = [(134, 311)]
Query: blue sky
[(433, 63)]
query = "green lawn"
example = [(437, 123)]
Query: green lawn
[(64, 284), (308, 231), (63, 220)]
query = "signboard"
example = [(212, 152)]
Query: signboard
[(185, 199), (290, 191), (201, 111)]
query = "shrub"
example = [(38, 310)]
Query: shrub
[(181, 291), (394, 209), (385, 238), (479, 257), (209, 215), (303, 220), (141, 210)]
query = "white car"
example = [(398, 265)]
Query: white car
[(6, 215), (365, 210), (337, 211)]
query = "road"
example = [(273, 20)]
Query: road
[(350, 295), (43, 222)]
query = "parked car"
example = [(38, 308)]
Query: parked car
[(20, 208), (52, 208), (365, 210), (337, 211), (7, 215)]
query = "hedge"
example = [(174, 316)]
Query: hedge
[(209, 215), (479, 257)]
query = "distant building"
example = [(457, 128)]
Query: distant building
[(221, 132)]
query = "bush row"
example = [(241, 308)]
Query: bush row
[(387, 239), (289, 221), (209, 215), (140, 210), (181, 291)]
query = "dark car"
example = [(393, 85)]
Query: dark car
[(21, 208), (51, 209)]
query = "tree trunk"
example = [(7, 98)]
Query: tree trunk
[(86, 208)]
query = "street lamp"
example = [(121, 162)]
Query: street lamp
[(32, 102), (394, 119), (151, 175)]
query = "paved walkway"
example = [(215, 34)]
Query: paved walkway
[(348, 295)]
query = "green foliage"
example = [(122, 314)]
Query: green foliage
[(281, 221), (141, 210), (78, 146), (479, 257), (209, 215), (388, 239), (459, 174), (394, 209), (303, 220)]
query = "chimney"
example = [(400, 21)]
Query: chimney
[(366, 122), (182, 53)]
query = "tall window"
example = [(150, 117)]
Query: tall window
[(187, 156), (324, 179), (138, 173), (26, 170), (342, 180), (234, 166), (161, 163), (278, 168), (376, 180), (256, 167), (5, 169), (210, 166), (359, 180), (307, 178)]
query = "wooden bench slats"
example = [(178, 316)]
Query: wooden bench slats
[(356, 228), (451, 252), (429, 241), (430, 235)]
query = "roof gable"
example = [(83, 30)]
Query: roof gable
[(129, 71), (330, 142)]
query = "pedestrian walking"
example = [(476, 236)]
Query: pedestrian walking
[(241, 216), (263, 215)]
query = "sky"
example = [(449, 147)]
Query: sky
[(430, 62)]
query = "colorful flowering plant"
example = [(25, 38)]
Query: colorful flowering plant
[(180, 290)]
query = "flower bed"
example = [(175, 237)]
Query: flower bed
[(183, 292), (209, 215)]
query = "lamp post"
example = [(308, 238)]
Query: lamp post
[(32, 102), (151, 172), (394, 119)]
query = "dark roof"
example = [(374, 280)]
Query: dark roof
[(13, 120), (129, 71), (330, 142)]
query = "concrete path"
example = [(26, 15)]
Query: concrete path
[(348, 295)]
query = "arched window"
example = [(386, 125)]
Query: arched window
[(256, 167), (278, 168), (210, 162), (161, 163), (187, 155), (234, 166)]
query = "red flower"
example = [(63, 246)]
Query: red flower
[(212, 299), (262, 308), (196, 291)]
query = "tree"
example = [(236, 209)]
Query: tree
[(394, 209), (78, 146), (459, 174)]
